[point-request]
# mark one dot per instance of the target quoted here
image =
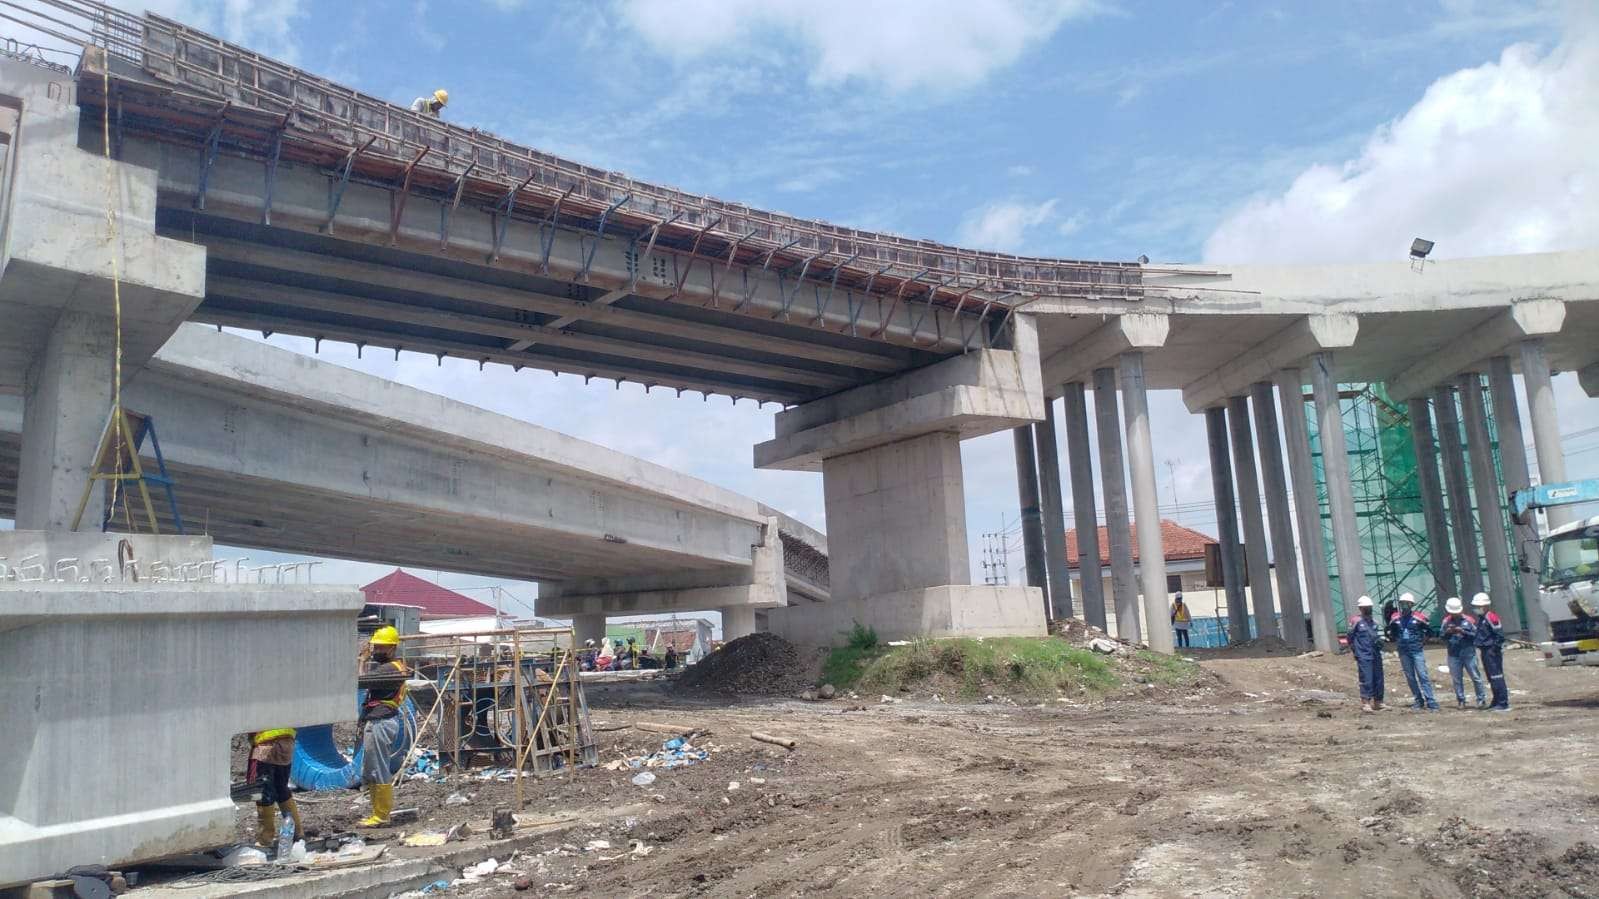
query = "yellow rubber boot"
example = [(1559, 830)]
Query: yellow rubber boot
[(266, 832), (293, 811), (382, 805)]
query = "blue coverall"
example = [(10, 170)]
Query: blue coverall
[(1410, 634), (1460, 635), (1490, 642), (1365, 642)]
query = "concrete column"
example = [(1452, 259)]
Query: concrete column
[(1262, 603), (1032, 519), (1274, 482), (1432, 497), (1307, 512), (1074, 403), (1513, 463), (1113, 484), (1232, 561), (65, 405), (1455, 482), (737, 621), (1060, 582), (1340, 492), (1490, 505), (1141, 464), (588, 627), (896, 517), (1545, 426)]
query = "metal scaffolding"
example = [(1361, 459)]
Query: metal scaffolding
[(1388, 507)]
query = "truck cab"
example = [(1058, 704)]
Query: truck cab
[(1568, 591)]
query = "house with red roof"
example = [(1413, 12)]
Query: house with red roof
[(402, 589), (1185, 550)]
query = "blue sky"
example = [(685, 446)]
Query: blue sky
[(1232, 131)]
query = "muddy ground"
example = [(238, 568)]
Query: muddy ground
[(1264, 780)]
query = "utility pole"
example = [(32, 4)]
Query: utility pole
[(1171, 472)]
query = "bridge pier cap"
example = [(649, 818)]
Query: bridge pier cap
[(889, 454)]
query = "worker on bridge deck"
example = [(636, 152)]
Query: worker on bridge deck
[(433, 105), (382, 726), (1365, 643)]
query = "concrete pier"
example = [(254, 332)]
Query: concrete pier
[(1141, 465), (1307, 513), (1461, 519), (1545, 426), (1278, 518), (65, 408), (1060, 582), (1340, 492), (588, 627), (1432, 497), (1489, 502), (1032, 518), (1085, 520), (1262, 604), (737, 621), (1221, 485), (1113, 485), (1513, 465)]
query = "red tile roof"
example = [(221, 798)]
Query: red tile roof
[(1181, 544), (682, 639), (404, 589)]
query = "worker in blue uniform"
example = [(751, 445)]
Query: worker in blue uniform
[(1460, 643), (1409, 629), (1365, 642), (1490, 640)]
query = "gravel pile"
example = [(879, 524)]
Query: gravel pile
[(756, 665)]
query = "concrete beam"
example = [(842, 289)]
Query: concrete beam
[(1523, 320), (1122, 333), (978, 393), (1588, 377), (1286, 349)]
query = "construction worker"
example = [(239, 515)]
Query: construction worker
[(1409, 630), (1490, 640), (383, 728), (632, 654), (1181, 618), (1460, 643), (1365, 642), (271, 754), (431, 106)]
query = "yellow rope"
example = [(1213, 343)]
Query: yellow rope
[(116, 274)]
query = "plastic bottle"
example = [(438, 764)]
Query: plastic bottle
[(285, 840)]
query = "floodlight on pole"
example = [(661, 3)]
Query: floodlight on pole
[(1419, 250)]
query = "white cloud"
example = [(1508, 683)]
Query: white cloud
[(1494, 159), (900, 44), (1003, 226), (266, 26), (1020, 171)]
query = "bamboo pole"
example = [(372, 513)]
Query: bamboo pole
[(521, 715), (543, 713)]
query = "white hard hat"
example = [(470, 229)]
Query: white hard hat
[(1408, 598), (1453, 606), (1481, 599), (1364, 602)]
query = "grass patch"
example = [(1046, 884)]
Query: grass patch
[(1033, 666), (1167, 670)]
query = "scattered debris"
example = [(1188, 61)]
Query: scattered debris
[(676, 730), (643, 778), (784, 742), (480, 871), (456, 799), (426, 838), (1104, 645), (596, 845)]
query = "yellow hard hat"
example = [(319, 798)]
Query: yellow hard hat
[(386, 636), (442, 95)]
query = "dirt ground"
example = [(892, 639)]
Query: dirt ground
[(1264, 781)]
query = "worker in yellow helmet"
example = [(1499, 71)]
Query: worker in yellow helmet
[(431, 106), (271, 754), (383, 729)]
